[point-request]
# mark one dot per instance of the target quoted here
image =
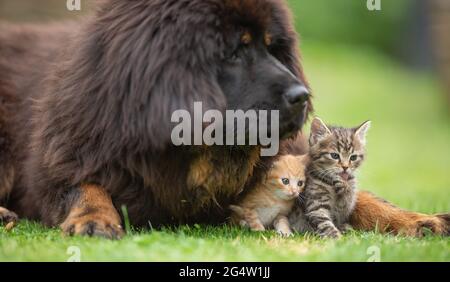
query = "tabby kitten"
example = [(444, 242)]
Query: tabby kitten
[(330, 194), (269, 204)]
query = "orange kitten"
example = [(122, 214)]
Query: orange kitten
[(269, 204)]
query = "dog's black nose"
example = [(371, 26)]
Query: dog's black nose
[(297, 94)]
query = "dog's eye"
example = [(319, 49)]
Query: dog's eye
[(335, 156), (268, 39), (285, 181), (246, 38)]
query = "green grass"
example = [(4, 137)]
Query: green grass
[(408, 164), (32, 242)]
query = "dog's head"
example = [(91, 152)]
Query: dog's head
[(155, 57), (260, 69)]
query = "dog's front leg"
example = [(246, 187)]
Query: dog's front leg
[(93, 214)]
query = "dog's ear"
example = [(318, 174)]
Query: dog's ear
[(147, 70), (164, 68), (115, 90)]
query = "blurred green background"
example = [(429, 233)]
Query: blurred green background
[(350, 22), (390, 66)]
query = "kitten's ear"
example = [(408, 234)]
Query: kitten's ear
[(361, 131), (303, 159), (318, 131), (238, 210)]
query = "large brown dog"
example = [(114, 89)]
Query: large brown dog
[(85, 114)]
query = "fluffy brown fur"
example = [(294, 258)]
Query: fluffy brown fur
[(94, 104)]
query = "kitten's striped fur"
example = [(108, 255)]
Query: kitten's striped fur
[(330, 192)]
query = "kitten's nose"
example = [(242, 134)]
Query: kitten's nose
[(295, 193), (345, 168)]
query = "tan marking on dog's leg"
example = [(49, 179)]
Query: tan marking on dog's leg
[(7, 216), (93, 215)]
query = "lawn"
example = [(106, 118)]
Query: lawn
[(408, 164)]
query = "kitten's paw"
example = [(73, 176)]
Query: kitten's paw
[(243, 224), (345, 228), (257, 227), (340, 186), (7, 216), (284, 233), (331, 234)]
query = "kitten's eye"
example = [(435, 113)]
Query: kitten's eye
[(335, 156), (353, 158), (285, 181), (300, 183)]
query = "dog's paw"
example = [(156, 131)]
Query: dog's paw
[(92, 227), (438, 225), (7, 216), (444, 220)]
